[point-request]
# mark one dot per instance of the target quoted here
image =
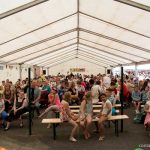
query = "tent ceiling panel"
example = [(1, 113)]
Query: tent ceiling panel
[(96, 57), (125, 55), (57, 59), (35, 52), (40, 55), (39, 35), (81, 53), (51, 55), (114, 45), (107, 55), (60, 62), (91, 60), (118, 13), (54, 56), (134, 52), (99, 56), (34, 17)]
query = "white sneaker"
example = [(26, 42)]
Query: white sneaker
[(72, 139)]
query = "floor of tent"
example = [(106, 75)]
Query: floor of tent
[(18, 139)]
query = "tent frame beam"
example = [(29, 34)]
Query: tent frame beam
[(21, 8), (134, 4)]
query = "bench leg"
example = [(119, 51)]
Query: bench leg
[(116, 128), (54, 131)]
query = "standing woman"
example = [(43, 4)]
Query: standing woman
[(86, 112), (67, 116)]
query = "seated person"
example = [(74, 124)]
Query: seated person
[(111, 98), (147, 110), (105, 113), (54, 106), (86, 112), (144, 95), (20, 107), (67, 116), (3, 114), (136, 96)]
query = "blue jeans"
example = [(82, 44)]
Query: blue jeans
[(4, 115)]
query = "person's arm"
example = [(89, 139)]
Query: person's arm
[(38, 98), (3, 108), (109, 106), (82, 110), (24, 104), (14, 106)]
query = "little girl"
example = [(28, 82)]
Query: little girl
[(136, 96), (86, 112), (3, 114), (67, 116)]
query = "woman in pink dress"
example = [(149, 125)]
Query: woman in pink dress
[(54, 106)]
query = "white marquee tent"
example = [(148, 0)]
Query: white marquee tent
[(49, 33)]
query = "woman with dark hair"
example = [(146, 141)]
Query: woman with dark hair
[(19, 108)]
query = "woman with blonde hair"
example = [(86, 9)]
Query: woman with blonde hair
[(67, 116), (86, 112)]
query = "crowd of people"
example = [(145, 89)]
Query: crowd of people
[(57, 93)]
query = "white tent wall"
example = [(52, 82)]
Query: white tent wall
[(12, 73), (63, 68)]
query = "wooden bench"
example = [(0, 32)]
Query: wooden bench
[(95, 111), (94, 106), (55, 121)]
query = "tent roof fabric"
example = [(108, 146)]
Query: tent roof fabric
[(47, 32)]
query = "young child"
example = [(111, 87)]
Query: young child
[(105, 113), (144, 95), (67, 116), (86, 111), (136, 97), (111, 98), (3, 114)]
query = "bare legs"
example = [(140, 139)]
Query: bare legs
[(85, 124), (74, 130)]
